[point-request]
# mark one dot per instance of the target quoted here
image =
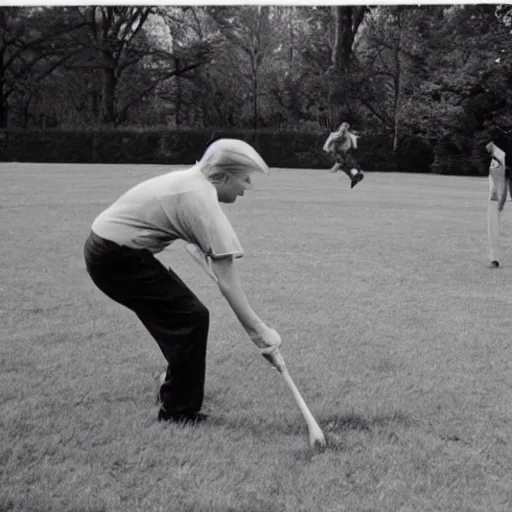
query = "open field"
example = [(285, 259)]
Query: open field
[(394, 329)]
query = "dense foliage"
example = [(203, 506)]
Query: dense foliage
[(426, 86)]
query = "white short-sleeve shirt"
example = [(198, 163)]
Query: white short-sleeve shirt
[(180, 205), (497, 175)]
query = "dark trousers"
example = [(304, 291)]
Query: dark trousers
[(172, 314), (345, 160)]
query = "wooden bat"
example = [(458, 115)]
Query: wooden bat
[(315, 434)]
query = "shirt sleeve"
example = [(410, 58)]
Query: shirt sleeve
[(327, 145), (498, 158), (205, 224)]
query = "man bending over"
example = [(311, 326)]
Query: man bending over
[(120, 259)]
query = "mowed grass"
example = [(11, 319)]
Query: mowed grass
[(395, 331)]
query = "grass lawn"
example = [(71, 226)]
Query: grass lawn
[(395, 330)]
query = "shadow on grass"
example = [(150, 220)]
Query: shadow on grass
[(348, 422), (336, 422), (336, 428), (332, 425)]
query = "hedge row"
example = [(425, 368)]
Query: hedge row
[(161, 146), (154, 146)]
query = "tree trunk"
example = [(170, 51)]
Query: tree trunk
[(337, 49), (339, 57), (178, 93), (398, 85), (92, 107), (344, 34), (3, 100), (4, 110), (204, 111), (255, 103), (347, 20), (292, 41), (254, 95), (26, 110), (108, 91)]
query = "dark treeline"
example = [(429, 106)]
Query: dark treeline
[(426, 86)]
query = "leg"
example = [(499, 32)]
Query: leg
[(493, 232), (182, 338), (339, 160), (168, 309), (497, 192), (354, 173), (345, 163)]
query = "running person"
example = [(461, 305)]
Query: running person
[(339, 145)]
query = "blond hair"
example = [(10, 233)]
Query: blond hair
[(342, 138), (230, 157)]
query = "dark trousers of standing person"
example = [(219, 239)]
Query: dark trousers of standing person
[(172, 314)]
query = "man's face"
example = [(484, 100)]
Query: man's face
[(232, 187)]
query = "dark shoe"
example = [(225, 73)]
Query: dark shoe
[(184, 418), (356, 179), (494, 264), (160, 379)]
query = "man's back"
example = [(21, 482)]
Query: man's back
[(149, 214)]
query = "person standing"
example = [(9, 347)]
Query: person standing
[(497, 197)]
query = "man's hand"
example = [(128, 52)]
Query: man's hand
[(269, 341), (266, 338), (274, 357), (503, 196)]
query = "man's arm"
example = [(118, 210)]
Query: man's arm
[(327, 147), (230, 287), (502, 197)]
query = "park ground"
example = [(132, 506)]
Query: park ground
[(394, 328)]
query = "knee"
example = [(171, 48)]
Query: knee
[(202, 315)]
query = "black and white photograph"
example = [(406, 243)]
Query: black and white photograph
[(256, 257)]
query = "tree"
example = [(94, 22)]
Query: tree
[(113, 46), (11, 31), (32, 47), (188, 28), (109, 45), (347, 21), (469, 83), (247, 29), (393, 58)]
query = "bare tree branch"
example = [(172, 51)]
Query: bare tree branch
[(152, 86)]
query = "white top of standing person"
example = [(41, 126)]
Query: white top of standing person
[(497, 155), (185, 204)]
